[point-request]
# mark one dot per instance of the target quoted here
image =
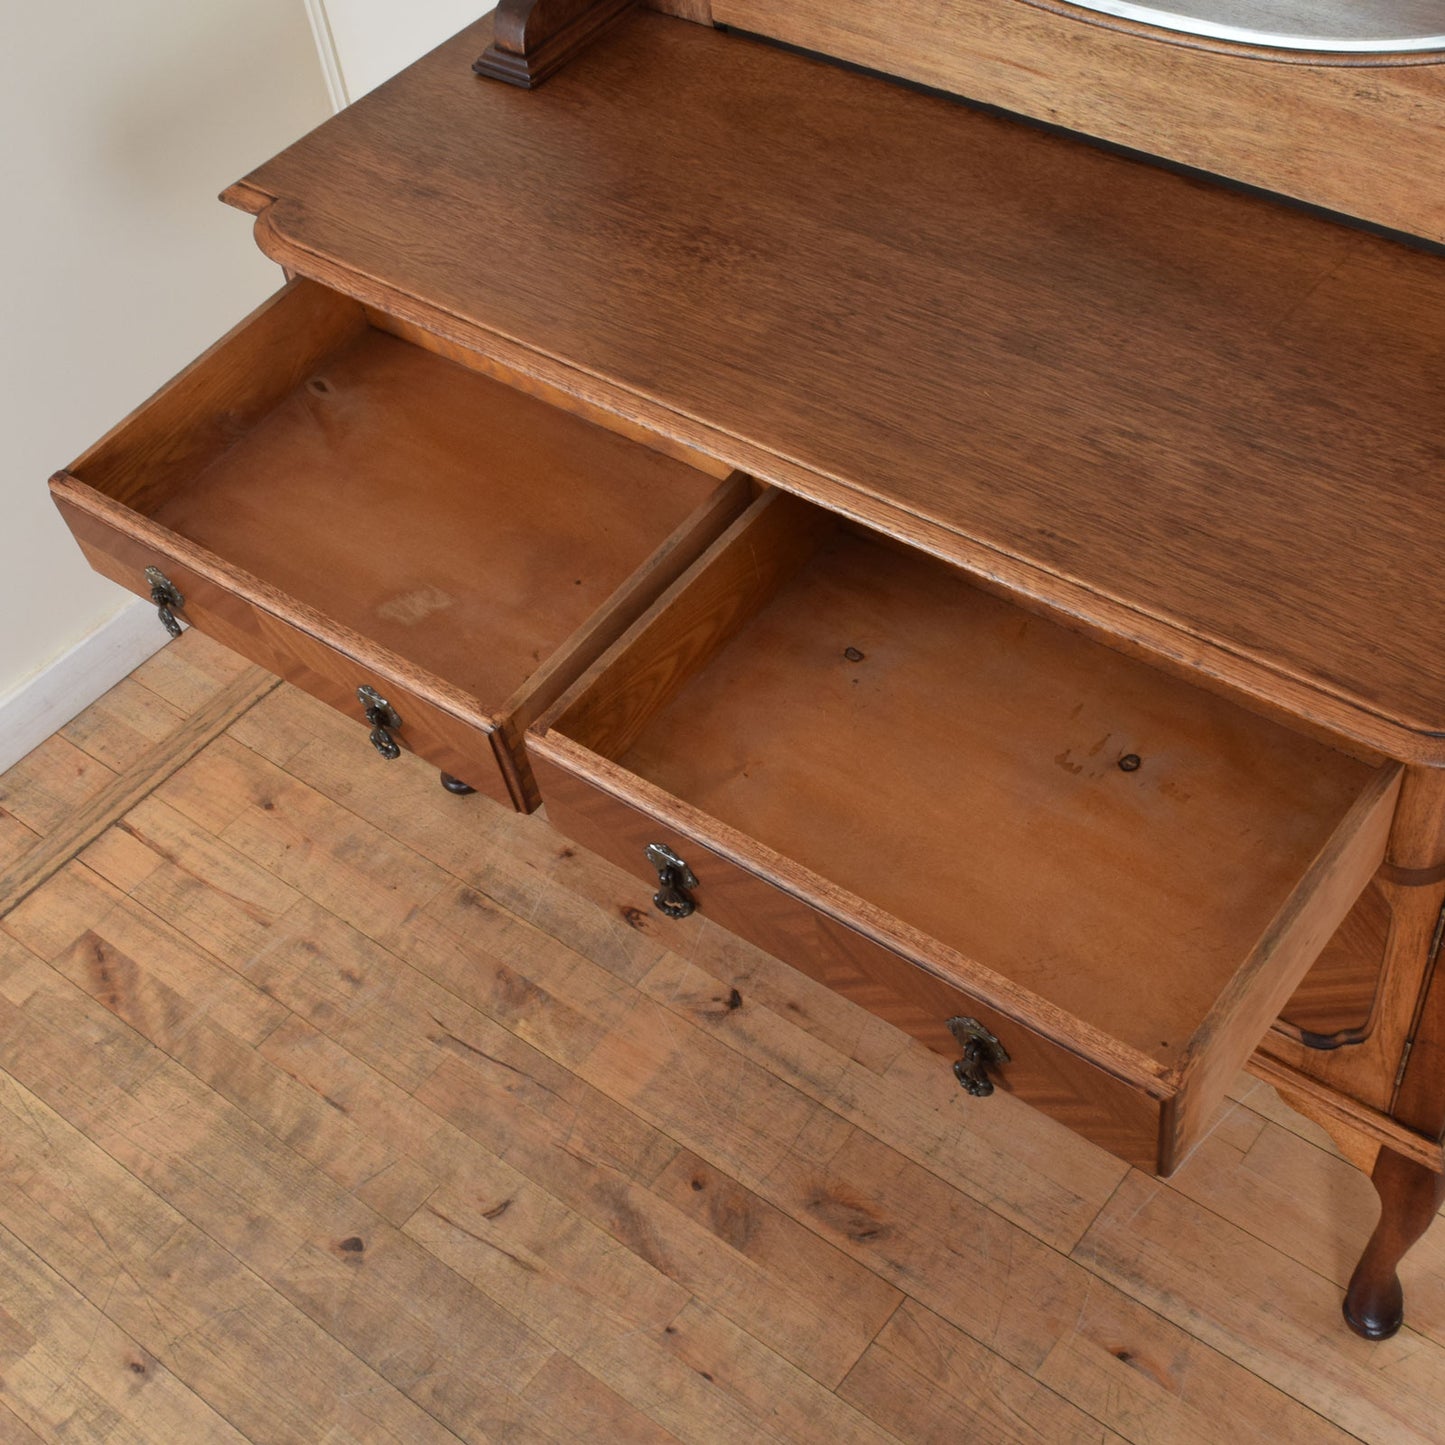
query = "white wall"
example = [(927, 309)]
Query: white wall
[(364, 42), (121, 122), (120, 125)]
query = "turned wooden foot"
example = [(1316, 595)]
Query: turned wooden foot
[(1409, 1194)]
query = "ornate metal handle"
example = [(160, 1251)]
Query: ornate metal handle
[(980, 1051), (167, 599), (675, 877), (383, 719)]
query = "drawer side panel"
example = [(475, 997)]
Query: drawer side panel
[(1292, 942)]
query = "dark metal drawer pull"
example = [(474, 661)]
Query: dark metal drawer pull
[(384, 720), (675, 877), (167, 599), (981, 1050)]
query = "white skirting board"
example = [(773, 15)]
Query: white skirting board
[(30, 712), (326, 53)]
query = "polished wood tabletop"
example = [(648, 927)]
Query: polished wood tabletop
[(1200, 422)]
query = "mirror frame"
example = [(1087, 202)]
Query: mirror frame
[(1361, 138), (1150, 22)]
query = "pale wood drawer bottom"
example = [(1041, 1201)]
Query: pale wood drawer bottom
[(351, 508), (942, 806)]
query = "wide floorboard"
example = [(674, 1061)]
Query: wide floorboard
[(337, 1108)]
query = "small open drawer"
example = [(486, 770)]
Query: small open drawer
[(974, 822), (351, 510)]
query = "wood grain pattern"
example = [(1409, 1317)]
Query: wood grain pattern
[(1057, 1057), (1339, 1114), (1317, 127), (1254, 996), (884, 1088), (454, 521), (187, 1144), (1123, 399), (982, 748), (1375, 1071), (48, 784), (1369, 1071), (533, 39), (1237, 1292), (1417, 844), (1335, 1002), (286, 465), (674, 556), (1119, 1117), (165, 442), (46, 856), (1069, 357), (554, 396), (841, 717), (788, 704), (71, 1370), (691, 621)]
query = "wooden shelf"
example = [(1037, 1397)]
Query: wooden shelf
[(1200, 422)]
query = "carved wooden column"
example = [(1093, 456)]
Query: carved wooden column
[(1410, 1192), (532, 39), (1409, 1196)]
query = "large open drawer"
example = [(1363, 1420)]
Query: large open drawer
[(353, 510), (949, 808)]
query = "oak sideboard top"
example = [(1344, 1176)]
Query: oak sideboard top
[(1200, 423)]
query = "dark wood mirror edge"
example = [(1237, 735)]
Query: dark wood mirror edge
[(1237, 48), (1354, 139), (1176, 98), (513, 58)]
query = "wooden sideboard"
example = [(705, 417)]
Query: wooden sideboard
[(991, 571)]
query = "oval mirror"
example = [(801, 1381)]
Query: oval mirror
[(1355, 27)]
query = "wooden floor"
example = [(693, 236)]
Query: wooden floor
[(335, 1108)]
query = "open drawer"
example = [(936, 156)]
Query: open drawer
[(1084, 880), (353, 511)]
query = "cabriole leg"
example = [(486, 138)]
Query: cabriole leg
[(1410, 1194)]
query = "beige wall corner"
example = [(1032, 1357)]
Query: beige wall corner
[(122, 122)]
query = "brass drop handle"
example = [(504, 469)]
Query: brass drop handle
[(384, 720), (675, 877), (981, 1051), (167, 599)]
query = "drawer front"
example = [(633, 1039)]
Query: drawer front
[(1118, 1116), (345, 502), (995, 813), (121, 546)]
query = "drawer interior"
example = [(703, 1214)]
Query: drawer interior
[(1104, 835), (466, 526)]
